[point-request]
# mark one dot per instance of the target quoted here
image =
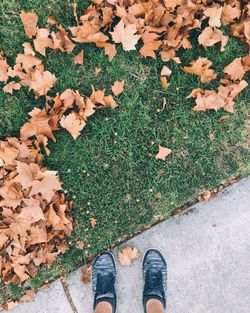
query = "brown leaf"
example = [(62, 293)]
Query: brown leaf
[(86, 274), (164, 82), (210, 36), (93, 222), (235, 69), (11, 86), (127, 255), (78, 59), (201, 67), (73, 124), (117, 88), (29, 21), (163, 153), (125, 35)]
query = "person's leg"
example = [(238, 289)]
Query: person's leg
[(103, 307), (154, 306), (155, 282), (103, 282)]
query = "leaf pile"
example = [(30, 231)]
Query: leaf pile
[(34, 218)]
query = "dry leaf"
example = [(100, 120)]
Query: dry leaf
[(86, 274), (29, 21), (235, 69), (163, 153), (11, 86), (73, 124), (210, 36), (127, 255), (117, 88), (93, 222), (78, 59), (164, 82), (125, 35)]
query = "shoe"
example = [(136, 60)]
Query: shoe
[(103, 279), (155, 277)]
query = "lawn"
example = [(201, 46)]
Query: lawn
[(110, 171)]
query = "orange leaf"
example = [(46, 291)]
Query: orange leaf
[(163, 153), (125, 35), (78, 59), (93, 222), (127, 255), (29, 21), (73, 124), (117, 88)]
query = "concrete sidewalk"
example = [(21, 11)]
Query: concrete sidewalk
[(208, 255)]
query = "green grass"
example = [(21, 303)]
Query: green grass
[(107, 170)]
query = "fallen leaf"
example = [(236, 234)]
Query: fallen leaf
[(11, 86), (210, 36), (73, 124), (163, 153), (86, 274), (164, 82), (166, 71), (117, 88), (201, 67), (125, 35), (235, 69), (127, 255), (29, 21), (93, 222), (78, 59)]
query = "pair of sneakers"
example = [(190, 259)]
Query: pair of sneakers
[(154, 270)]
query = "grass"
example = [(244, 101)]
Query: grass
[(107, 170)]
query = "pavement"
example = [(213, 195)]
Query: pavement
[(208, 254)]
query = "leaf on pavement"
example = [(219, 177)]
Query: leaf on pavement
[(127, 255)]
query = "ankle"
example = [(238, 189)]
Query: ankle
[(103, 307), (154, 306)]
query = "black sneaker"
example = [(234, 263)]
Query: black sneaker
[(155, 277), (103, 279)]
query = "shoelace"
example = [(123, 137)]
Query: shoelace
[(153, 281), (105, 283)]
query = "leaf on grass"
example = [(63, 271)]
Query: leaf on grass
[(29, 21), (163, 153), (201, 67), (210, 36), (117, 88), (78, 59), (86, 274), (164, 82), (214, 15), (235, 69), (73, 124), (125, 35), (127, 255), (93, 222), (151, 44), (166, 71), (11, 86)]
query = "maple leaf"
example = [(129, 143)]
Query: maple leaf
[(235, 69), (86, 274), (163, 153), (78, 59), (127, 255), (29, 21), (200, 67), (230, 14), (42, 41), (73, 124), (11, 86), (117, 88), (27, 173), (210, 36), (42, 82), (125, 35), (47, 186), (214, 15), (151, 44)]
